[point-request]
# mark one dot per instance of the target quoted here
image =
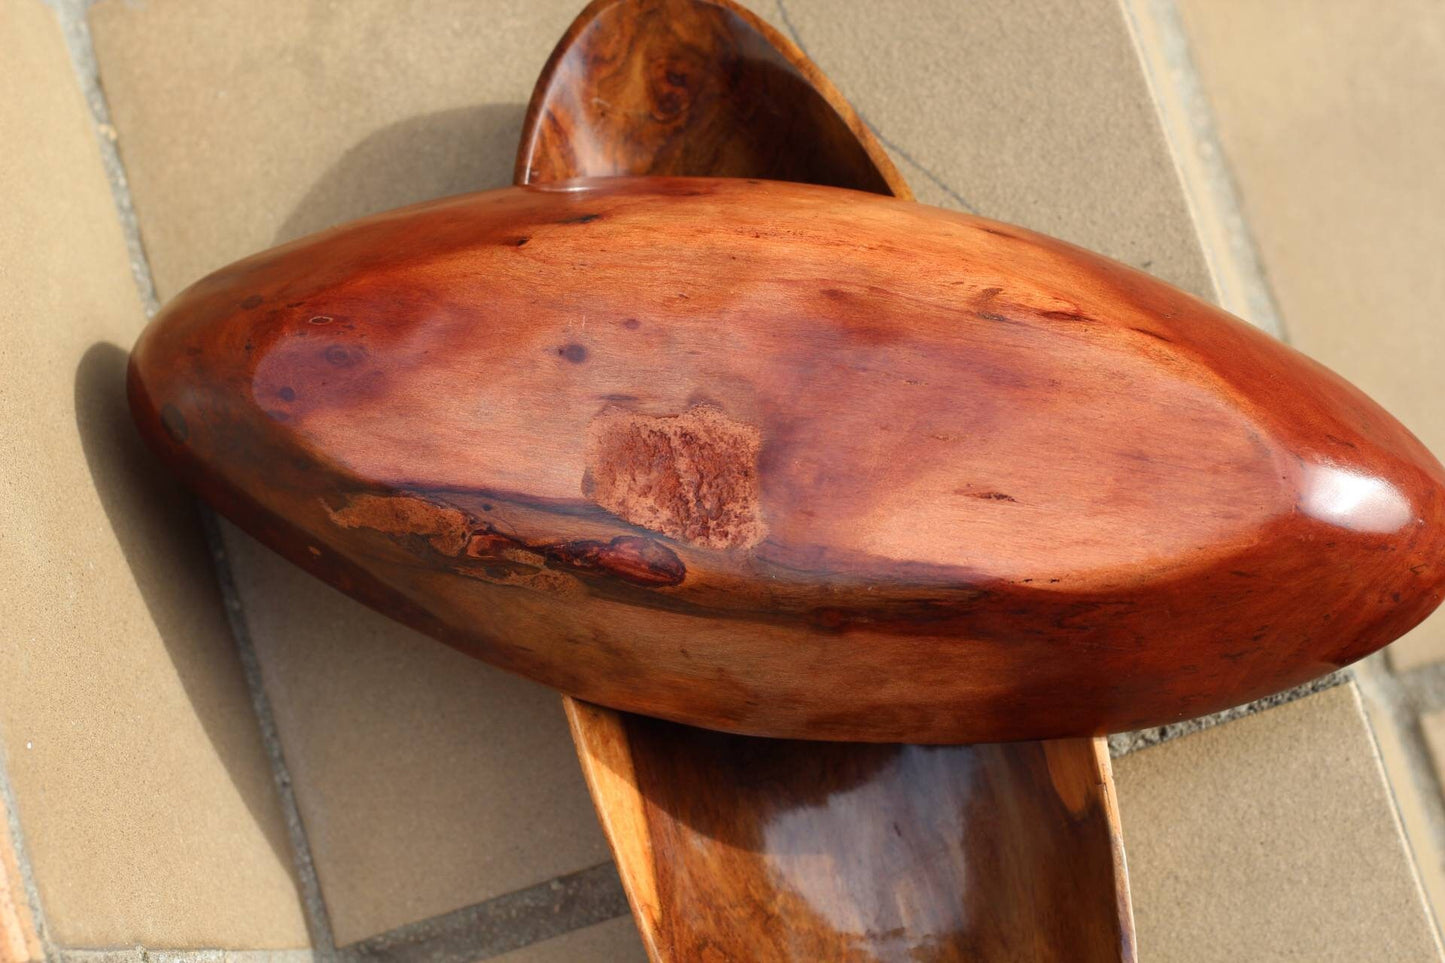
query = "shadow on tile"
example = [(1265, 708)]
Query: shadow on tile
[(156, 526), (153, 517), (418, 159)]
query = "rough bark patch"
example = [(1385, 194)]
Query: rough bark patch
[(692, 477), (446, 529)]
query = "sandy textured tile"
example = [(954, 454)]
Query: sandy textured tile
[(1272, 837), (234, 139), (1332, 118), (615, 941), (146, 802), (1034, 112)]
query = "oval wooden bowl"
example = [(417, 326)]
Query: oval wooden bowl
[(797, 461)]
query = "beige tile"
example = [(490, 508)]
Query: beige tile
[(1332, 117), (1030, 111), (1183, 112), (312, 114), (146, 802), (615, 941), (1272, 837), (426, 782)]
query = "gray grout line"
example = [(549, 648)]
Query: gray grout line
[(499, 925), (1123, 743), (141, 954), (1405, 698), (71, 14), (318, 919), (892, 146), (1401, 702), (505, 923), (22, 860), (1209, 186)]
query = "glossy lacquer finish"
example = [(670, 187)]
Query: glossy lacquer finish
[(748, 848), (797, 461), (784, 851), (689, 87)]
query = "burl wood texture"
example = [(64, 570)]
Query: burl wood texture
[(687, 87), (782, 852), (796, 461)]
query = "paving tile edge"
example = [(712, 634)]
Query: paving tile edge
[(318, 919), (508, 922), (1123, 743), (1240, 280), (141, 954), (1363, 679)]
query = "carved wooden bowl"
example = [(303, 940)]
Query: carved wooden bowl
[(797, 461)]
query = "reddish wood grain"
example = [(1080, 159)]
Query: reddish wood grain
[(872, 471), (688, 87)]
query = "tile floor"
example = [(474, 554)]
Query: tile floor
[(437, 800)]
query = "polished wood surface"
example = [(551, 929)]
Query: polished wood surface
[(688, 87), (748, 848), (776, 850), (797, 461)]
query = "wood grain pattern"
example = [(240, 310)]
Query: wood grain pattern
[(688, 814), (774, 850), (687, 87), (877, 471)]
